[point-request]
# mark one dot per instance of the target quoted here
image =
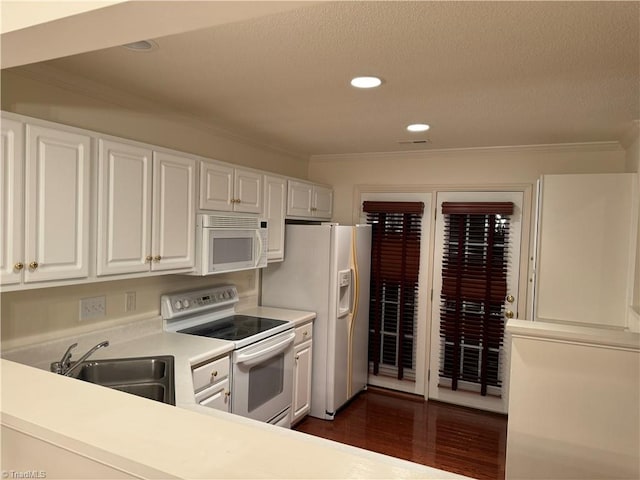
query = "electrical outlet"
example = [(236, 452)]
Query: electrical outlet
[(93, 307), (129, 301)]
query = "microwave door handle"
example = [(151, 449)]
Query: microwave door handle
[(250, 359), (260, 247)]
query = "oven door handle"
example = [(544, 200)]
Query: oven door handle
[(250, 359)]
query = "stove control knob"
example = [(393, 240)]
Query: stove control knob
[(177, 305), (185, 303)]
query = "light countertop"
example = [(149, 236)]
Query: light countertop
[(148, 439), (574, 333)]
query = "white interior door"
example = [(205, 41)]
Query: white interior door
[(418, 385), (468, 393)]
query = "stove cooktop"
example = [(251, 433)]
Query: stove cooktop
[(236, 327)]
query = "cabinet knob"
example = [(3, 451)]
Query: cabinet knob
[(227, 394), (508, 314), (214, 373), (148, 259), (510, 298), (304, 334), (157, 258), (33, 265), (18, 266), (297, 357)]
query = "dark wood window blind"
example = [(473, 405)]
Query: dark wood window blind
[(474, 285), (395, 263)]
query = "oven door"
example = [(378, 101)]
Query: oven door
[(263, 377)]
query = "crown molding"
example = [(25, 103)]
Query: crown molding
[(542, 148), (631, 134), (99, 91)]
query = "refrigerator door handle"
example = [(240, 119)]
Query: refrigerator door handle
[(353, 292)]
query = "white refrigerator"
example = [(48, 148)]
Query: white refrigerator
[(326, 269)]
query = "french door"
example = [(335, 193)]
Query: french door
[(392, 354), (475, 290)]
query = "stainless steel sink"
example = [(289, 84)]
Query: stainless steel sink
[(149, 377)]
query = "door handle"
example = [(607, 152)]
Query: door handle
[(250, 359)]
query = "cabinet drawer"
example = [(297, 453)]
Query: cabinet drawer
[(303, 333), (210, 373), (216, 396)]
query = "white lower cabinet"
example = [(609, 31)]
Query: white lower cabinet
[(303, 354), (211, 383)]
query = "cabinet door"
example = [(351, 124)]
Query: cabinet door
[(216, 396), (11, 207), (57, 204), (124, 208), (275, 195), (216, 187), (247, 191), (322, 203), (585, 248), (299, 199), (302, 381), (174, 215)]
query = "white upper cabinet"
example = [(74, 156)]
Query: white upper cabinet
[(57, 204), (124, 208), (275, 204), (229, 189), (586, 248), (11, 195), (322, 205), (174, 214), (146, 210), (308, 200)]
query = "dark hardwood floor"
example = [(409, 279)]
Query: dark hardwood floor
[(456, 439)]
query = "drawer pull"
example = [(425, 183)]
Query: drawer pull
[(214, 373)]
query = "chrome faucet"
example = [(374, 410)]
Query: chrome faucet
[(64, 366)]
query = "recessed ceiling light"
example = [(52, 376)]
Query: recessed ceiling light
[(366, 82), (418, 127), (141, 46)]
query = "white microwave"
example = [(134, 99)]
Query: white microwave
[(226, 243)]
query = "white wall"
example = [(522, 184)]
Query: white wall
[(71, 101), (34, 316), (473, 168), (632, 145)]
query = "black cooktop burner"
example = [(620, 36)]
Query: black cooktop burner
[(235, 327)]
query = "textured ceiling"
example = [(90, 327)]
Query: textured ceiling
[(481, 73)]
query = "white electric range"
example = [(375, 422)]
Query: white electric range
[(262, 361)]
